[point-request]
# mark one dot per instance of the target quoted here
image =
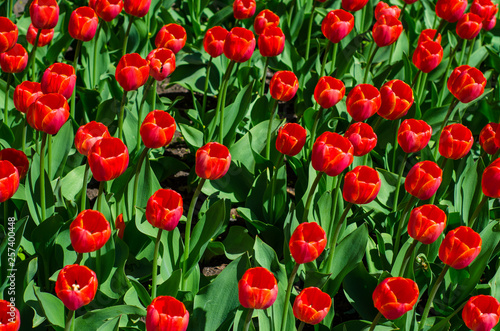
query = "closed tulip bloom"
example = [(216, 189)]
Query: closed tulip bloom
[(264, 20), (329, 91), (44, 14), (132, 72), (466, 83), (10, 319), (271, 42), (161, 63), (120, 226), (212, 161), (307, 242), (312, 305), (157, 129), (362, 138), (14, 60), (166, 313), (386, 30), (383, 8), (481, 313), (490, 181), (89, 231), (337, 25), (488, 12), (108, 9), (363, 101), (137, 8), (8, 34), (361, 185), (395, 296), (25, 94), (18, 160), (427, 56), (469, 26), (460, 247), (76, 286), (353, 5), (108, 159), (243, 9), (423, 180), (239, 44), (429, 35), (284, 85), (83, 24), (290, 139), (455, 141), (9, 180), (487, 138), (48, 113), (451, 10), (164, 209), (87, 135), (414, 135), (396, 99), (257, 289), (214, 41), (59, 78), (45, 36), (426, 223), (171, 36), (331, 153)]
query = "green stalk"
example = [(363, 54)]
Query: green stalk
[(49, 156), (207, 80), (139, 115), (421, 88), (395, 145), (269, 128), (99, 195), (446, 118), (334, 57), (432, 294), (75, 65), (83, 201), (122, 113), (393, 46), (32, 57), (369, 64), (155, 265), (96, 42), (417, 76), (407, 257), (25, 131), (222, 100), (287, 296), (248, 319), (471, 48), (404, 8), (333, 242), (42, 175), (401, 225), (273, 188), (136, 179), (310, 196), (99, 208), (327, 50), (125, 40), (315, 126), (337, 180), (79, 258), (6, 105), (69, 321), (477, 211), (263, 86), (309, 29), (398, 185), (462, 52), (301, 326), (375, 321)]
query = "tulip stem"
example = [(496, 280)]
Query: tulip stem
[(398, 184), (336, 236), (42, 176), (395, 144), (222, 98), (79, 258), (23, 137), (309, 29), (327, 51), (334, 57), (369, 64), (432, 294), (122, 111), (417, 76), (6, 105), (310, 196), (136, 179), (477, 211), (205, 90), (69, 321), (75, 65), (393, 46), (407, 257), (375, 321), (49, 156), (125, 40), (301, 326), (32, 57), (446, 118), (96, 42), (401, 226), (263, 85), (139, 114), (155, 264), (270, 127), (471, 48), (445, 75), (99, 195), (83, 200), (248, 319), (273, 188), (314, 128), (287, 296), (462, 51), (337, 180)]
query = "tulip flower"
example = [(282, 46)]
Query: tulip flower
[(469, 26), (353, 5), (396, 99), (257, 289), (337, 24), (265, 19), (383, 8), (239, 44), (8, 34), (362, 138), (243, 9), (212, 161), (89, 231), (166, 313), (386, 30), (108, 9), (361, 185), (490, 181), (271, 42), (9, 180), (10, 319), (18, 160), (48, 113), (363, 101), (307, 242), (487, 138), (427, 56), (284, 85), (332, 153), (481, 313), (157, 129), (329, 91), (395, 296), (429, 35), (25, 94), (83, 24), (213, 42), (414, 135), (44, 14), (312, 305), (120, 226), (87, 135), (108, 159), (45, 36), (466, 83), (460, 247), (423, 179), (76, 286), (14, 60), (451, 10), (164, 209), (132, 72), (137, 8), (426, 223), (59, 78), (488, 12), (161, 63), (290, 139), (455, 141), (171, 36)]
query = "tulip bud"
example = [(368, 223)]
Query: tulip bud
[(361, 185), (164, 209), (8, 34), (264, 20), (83, 24), (469, 26), (427, 56), (10, 319), (132, 71), (423, 180), (290, 139), (490, 182), (426, 223), (137, 8), (157, 129), (271, 42), (108, 159), (76, 286), (243, 9), (451, 10), (396, 99), (332, 153), (362, 138), (214, 41), (363, 101), (337, 24), (429, 35), (312, 305), (45, 36), (481, 313), (395, 296), (9, 180), (455, 141), (460, 247), (108, 9), (88, 134), (120, 226), (383, 8), (48, 113), (18, 160), (466, 83), (167, 313), (307, 242), (89, 231), (386, 30), (239, 44), (487, 138), (14, 60), (171, 36), (414, 135), (283, 85), (353, 5), (488, 12), (257, 289), (161, 63), (44, 14), (329, 91), (59, 78), (25, 94), (212, 161)]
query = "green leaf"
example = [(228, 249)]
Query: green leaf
[(194, 137), (141, 291), (72, 183), (61, 143), (52, 306), (171, 285), (96, 318), (237, 242)]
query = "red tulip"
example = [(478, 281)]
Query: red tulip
[(387, 30), (414, 135), (427, 56), (167, 313), (88, 134), (396, 99), (423, 180), (171, 36), (25, 94), (426, 223), (455, 141), (161, 63), (14, 60), (353, 5), (488, 12), (481, 313), (265, 19), (137, 8), (307, 242), (76, 286), (469, 26), (363, 101), (243, 9), (239, 44), (83, 24), (383, 8), (361, 185), (460, 247), (290, 139), (157, 129), (271, 42), (132, 71), (212, 161), (487, 138), (59, 78), (108, 9), (395, 296), (257, 289), (337, 24), (120, 226), (451, 10), (429, 35), (362, 138), (466, 83), (10, 319), (9, 180), (89, 231), (329, 91), (332, 153), (48, 113), (8, 34), (164, 209), (18, 160), (214, 41), (491, 180), (44, 14), (284, 85), (92, 4), (108, 159), (312, 305), (45, 36)]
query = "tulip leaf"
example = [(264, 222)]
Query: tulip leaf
[(360, 326), (193, 136), (235, 113), (32, 191), (94, 319), (358, 287), (141, 291), (171, 285), (52, 307), (237, 242), (70, 189), (63, 140)]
